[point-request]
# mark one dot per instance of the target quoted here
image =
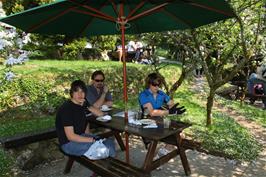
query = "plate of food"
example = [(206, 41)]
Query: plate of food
[(147, 121), (105, 118)]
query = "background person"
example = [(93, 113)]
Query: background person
[(257, 83), (131, 47), (98, 93), (120, 51), (139, 50), (71, 123)]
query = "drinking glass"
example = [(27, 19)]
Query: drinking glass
[(166, 123)]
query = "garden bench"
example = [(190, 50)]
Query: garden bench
[(110, 167), (46, 134), (28, 138)]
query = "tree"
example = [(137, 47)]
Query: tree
[(14, 6), (225, 48)]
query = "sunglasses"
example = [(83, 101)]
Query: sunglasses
[(156, 84), (98, 80)]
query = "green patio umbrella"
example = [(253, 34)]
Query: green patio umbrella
[(78, 18)]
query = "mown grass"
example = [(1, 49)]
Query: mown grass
[(5, 163), (225, 135), (248, 111)]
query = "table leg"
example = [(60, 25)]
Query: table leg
[(149, 156), (119, 140), (183, 155)]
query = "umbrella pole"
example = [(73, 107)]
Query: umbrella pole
[(123, 22)]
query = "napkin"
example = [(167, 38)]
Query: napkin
[(151, 126), (131, 120)]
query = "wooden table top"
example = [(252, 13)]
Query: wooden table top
[(118, 123)]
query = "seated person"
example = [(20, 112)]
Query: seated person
[(139, 50), (131, 47), (71, 123), (153, 100), (257, 83), (120, 51), (98, 93)]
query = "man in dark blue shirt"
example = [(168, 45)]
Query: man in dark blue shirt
[(98, 93)]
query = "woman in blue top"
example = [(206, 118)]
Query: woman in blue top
[(153, 99)]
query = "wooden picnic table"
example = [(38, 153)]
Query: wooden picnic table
[(169, 135)]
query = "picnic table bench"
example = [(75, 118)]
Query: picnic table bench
[(27, 138), (110, 167)]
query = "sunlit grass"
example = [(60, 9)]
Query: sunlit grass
[(248, 111)]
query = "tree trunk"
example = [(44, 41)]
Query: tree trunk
[(177, 84), (209, 107)]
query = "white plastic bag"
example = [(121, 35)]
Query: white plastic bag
[(97, 151)]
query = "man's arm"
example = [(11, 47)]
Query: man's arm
[(95, 111), (101, 101), (71, 136)]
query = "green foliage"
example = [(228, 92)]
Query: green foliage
[(5, 163), (40, 93), (13, 127), (74, 49), (104, 42), (44, 46), (14, 6), (30, 93)]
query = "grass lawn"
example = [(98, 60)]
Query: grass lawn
[(225, 135)]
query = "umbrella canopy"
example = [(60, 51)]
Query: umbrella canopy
[(78, 18), (101, 17)]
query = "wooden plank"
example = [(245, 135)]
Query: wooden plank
[(150, 155), (182, 154), (110, 167), (28, 138), (164, 159)]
